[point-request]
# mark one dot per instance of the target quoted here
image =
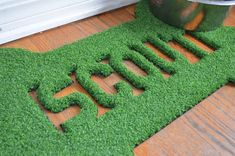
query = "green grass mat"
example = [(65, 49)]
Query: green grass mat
[(25, 129)]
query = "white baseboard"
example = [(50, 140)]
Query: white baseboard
[(22, 18)]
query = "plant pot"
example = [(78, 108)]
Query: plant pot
[(192, 15)]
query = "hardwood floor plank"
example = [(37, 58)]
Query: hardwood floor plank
[(204, 130)]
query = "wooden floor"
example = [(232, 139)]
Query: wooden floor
[(208, 129)]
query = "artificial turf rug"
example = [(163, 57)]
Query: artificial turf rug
[(25, 129)]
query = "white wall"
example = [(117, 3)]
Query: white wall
[(20, 18)]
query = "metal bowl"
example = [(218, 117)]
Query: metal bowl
[(192, 15)]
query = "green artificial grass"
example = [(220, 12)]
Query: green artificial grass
[(25, 129)]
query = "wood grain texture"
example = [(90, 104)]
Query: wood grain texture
[(206, 130)]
